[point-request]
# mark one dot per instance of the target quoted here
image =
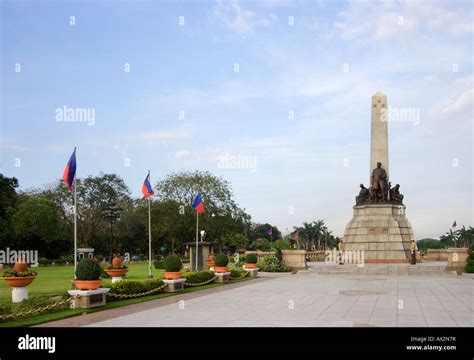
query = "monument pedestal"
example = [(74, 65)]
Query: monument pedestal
[(222, 277), (174, 285), (88, 298), (382, 231), (19, 294)]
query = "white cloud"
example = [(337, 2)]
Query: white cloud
[(239, 20), (163, 136), (464, 101), (388, 19)]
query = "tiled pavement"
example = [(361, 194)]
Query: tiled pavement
[(315, 300)]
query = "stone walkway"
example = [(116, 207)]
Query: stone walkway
[(314, 300)]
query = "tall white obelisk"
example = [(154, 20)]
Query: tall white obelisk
[(379, 133), (380, 230)]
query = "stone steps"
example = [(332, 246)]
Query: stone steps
[(382, 270)]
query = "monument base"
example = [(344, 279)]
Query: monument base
[(88, 298), (382, 231), (222, 277), (174, 285), (19, 294)]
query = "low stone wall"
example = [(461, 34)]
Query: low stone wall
[(294, 258), (261, 253), (457, 259), (436, 255)]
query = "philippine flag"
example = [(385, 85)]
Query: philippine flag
[(198, 205), (146, 188), (70, 170)]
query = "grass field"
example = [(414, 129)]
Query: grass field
[(56, 280), (53, 281)]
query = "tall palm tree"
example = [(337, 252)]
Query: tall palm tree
[(452, 237), (319, 229), (300, 238), (308, 235), (327, 236)]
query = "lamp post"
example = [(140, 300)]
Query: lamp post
[(111, 213)]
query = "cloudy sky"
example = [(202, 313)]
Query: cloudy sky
[(274, 96)]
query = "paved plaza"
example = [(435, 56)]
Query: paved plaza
[(309, 300)]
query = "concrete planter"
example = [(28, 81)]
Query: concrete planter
[(457, 260), (295, 259)]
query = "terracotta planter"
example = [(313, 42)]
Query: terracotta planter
[(116, 272), (174, 275), (210, 264), (117, 261), (20, 267), (19, 281), (250, 266), (87, 284), (220, 269)]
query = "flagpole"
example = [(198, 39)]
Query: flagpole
[(197, 238), (75, 224), (150, 275)]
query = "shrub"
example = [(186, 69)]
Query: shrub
[(251, 258), (5, 309), (221, 260), (44, 262), (282, 244), (470, 260), (242, 258), (37, 302), (198, 277), (158, 264), (132, 287), (172, 263), (272, 264), (13, 273), (88, 269), (236, 273), (261, 244), (185, 260), (279, 255)]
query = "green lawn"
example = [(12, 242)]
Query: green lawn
[(53, 281), (56, 280)]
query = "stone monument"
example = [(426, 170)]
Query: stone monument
[(379, 226)]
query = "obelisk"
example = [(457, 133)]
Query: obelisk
[(379, 227), (379, 133)]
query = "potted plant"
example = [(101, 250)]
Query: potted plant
[(117, 269), (19, 279), (173, 266), (210, 262), (88, 275), (221, 263), (251, 261)]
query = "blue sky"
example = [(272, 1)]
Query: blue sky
[(298, 108)]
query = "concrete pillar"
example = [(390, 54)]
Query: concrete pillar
[(379, 133)]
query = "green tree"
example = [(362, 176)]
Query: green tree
[(281, 244), (222, 216), (8, 195), (424, 244), (94, 193), (38, 226), (258, 231), (261, 244)]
